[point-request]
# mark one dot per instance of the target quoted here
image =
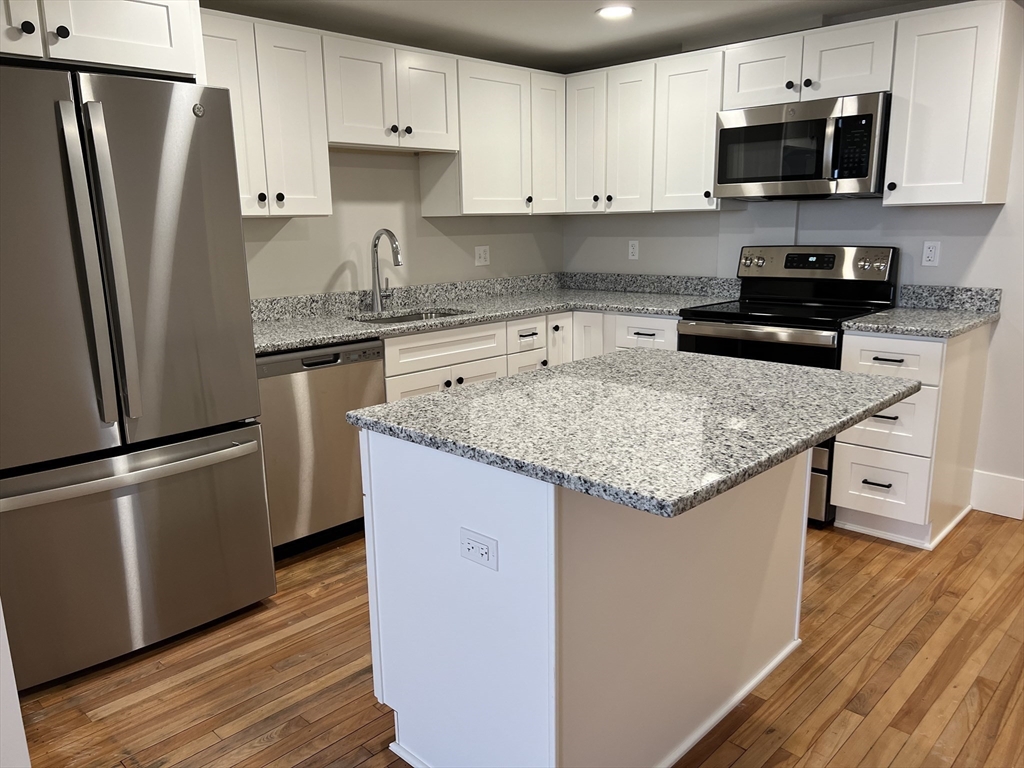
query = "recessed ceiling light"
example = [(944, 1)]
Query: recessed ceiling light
[(615, 12)]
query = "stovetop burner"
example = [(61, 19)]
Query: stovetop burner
[(785, 314)]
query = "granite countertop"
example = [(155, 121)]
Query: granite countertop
[(934, 323), (318, 331), (656, 430)]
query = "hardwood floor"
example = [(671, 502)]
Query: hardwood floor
[(909, 658)]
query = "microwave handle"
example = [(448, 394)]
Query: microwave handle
[(826, 159)]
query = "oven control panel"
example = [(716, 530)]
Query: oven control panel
[(817, 262)]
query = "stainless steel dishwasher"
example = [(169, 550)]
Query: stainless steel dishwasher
[(311, 452)]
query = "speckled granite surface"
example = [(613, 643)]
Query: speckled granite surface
[(933, 323), (726, 287), (950, 297), (304, 331), (675, 429)]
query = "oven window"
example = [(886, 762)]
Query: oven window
[(776, 152), (774, 352)]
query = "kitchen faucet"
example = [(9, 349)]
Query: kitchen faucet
[(396, 255)]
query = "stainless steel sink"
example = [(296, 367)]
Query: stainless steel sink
[(410, 317)]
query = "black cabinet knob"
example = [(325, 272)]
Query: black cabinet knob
[(596, 198), (448, 384), (63, 32), (394, 129), (529, 199), (707, 194), (609, 198), (460, 380), (544, 362), (27, 27), (891, 186), (408, 129), (555, 328), (280, 197), (262, 197), (790, 85), (808, 83)]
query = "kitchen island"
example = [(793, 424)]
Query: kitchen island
[(590, 565)]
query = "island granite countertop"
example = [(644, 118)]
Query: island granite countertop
[(656, 430), (307, 332)]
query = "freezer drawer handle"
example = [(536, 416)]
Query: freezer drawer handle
[(887, 486), (317, 362), (118, 261), (91, 262), (878, 359), (883, 416), (139, 476)]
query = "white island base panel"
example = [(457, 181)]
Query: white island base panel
[(607, 636)]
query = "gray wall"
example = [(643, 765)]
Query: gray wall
[(289, 257)]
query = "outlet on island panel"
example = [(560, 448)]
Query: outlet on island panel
[(478, 548)]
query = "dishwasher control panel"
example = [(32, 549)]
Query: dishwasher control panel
[(362, 355)]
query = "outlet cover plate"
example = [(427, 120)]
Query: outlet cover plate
[(478, 548), (930, 254), (634, 250), (483, 255)]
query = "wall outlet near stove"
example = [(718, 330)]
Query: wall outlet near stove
[(634, 250), (483, 255), (930, 255)]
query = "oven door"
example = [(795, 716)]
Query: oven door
[(776, 344)]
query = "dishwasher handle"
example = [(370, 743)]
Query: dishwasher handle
[(325, 357), (321, 361)]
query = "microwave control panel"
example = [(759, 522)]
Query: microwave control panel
[(851, 156)]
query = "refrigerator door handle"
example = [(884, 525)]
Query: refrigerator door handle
[(91, 261), (118, 261), (114, 482)]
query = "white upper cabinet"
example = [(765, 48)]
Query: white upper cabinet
[(362, 92), (688, 95), (848, 59), (428, 101), (21, 31), (140, 34), (495, 125), (630, 137), (762, 72), (230, 46), (291, 78), (586, 115), (547, 115), (382, 97), (954, 90)]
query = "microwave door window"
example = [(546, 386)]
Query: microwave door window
[(776, 152)]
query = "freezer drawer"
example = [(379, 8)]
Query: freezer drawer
[(103, 558)]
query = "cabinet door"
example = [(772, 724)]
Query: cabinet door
[(942, 102), (141, 34), (547, 114), (361, 90), (494, 117), (757, 73), (630, 137), (20, 30), (414, 384), (428, 101), (527, 361), (479, 370), (294, 121), (688, 95), (585, 140), (230, 47), (559, 338), (587, 335), (846, 60)]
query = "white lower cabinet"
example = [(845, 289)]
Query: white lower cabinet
[(526, 335), (559, 338), (907, 427), (424, 351), (420, 383), (648, 332), (479, 370), (903, 357), (527, 361), (893, 485), (587, 335)]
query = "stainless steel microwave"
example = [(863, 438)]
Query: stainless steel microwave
[(817, 149)]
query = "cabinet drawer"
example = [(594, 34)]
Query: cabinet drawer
[(527, 334), (480, 370), (903, 358), (907, 427), (654, 332), (881, 482), (424, 351), (414, 384), (527, 361)]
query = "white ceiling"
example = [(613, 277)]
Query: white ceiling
[(560, 35)]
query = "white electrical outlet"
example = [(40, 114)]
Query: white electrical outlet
[(483, 255), (634, 250), (930, 255), (479, 548)]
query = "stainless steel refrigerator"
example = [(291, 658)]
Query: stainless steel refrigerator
[(132, 496)]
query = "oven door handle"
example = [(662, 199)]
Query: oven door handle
[(805, 336)]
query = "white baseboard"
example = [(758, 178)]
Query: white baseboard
[(953, 524), (998, 494), (886, 528), (717, 716), (408, 756)]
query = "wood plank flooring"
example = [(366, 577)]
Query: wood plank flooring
[(909, 658)]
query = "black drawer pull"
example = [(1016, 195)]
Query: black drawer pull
[(883, 416), (448, 383), (544, 363), (460, 380), (887, 359), (528, 335), (647, 335), (877, 485), (555, 328)]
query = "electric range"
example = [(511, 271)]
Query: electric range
[(792, 306)]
